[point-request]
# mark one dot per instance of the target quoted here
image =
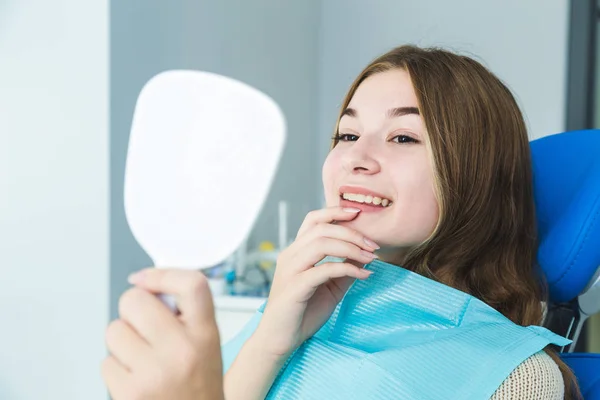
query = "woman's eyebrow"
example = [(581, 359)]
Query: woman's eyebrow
[(391, 113), (400, 111)]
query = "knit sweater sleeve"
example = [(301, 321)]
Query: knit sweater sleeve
[(538, 377)]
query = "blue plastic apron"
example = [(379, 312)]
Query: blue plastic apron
[(399, 335)]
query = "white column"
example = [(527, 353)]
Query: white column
[(54, 129)]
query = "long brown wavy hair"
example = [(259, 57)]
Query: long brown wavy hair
[(485, 242)]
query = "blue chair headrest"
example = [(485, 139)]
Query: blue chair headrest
[(566, 173)]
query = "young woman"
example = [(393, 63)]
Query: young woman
[(429, 169), (430, 172)]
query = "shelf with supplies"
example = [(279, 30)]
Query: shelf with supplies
[(234, 312), (238, 303), (238, 294), (241, 283)]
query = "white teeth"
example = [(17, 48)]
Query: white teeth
[(359, 198), (368, 199)]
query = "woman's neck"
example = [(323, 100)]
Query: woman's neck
[(393, 255)]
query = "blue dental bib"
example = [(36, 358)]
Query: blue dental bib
[(399, 335)]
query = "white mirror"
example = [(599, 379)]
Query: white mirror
[(202, 155)]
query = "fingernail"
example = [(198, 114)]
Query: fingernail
[(351, 210), (136, 277), (371, 243), (367, 273), (368, 254)]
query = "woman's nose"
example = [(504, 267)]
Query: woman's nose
[(361, 160)]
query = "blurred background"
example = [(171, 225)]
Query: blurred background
[(70, 72)]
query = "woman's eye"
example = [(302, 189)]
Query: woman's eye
[(404, 139), (347, 137)]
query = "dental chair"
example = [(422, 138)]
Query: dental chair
[(566, 169)]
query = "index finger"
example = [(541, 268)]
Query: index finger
[(148, 316), (327, 215), (189, 288)]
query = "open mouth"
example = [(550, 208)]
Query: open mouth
[(368, 199)]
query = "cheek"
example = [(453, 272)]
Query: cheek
[(430, 206), (429, 212), (417, 211)]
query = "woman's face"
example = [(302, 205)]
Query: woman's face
[(382, 164)]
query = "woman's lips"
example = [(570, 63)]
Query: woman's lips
[(360, 190)]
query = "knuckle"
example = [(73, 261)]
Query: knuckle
[(113, 331), (325, 230), (338, 268), (321, 242), (320, 229), (357, 251), (311, 215), (323, 268), (350, 269), (349, 233), (352, 248), (286, 255), (357, 237), (301, 287), (198, 284), (129, 300), (284, 260)]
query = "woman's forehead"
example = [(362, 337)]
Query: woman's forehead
[(384, 90)]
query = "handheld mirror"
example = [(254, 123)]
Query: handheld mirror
[(203, 152)]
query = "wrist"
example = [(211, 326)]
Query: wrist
[(261, 345)]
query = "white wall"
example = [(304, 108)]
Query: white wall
[(523, 42), (53, 198)]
